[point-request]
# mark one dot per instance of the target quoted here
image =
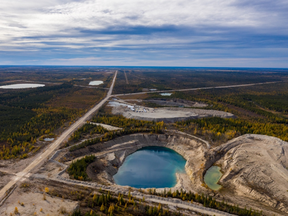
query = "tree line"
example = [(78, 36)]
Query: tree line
[(120, 121), (87, 129), (207, 201), (225, 129)]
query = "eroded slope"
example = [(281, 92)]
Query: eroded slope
[(254, 167)]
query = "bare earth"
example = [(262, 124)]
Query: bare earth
[(107, 127), (171, 114), (33, 202), (255, 167)]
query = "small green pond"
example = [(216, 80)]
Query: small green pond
[(212, 177)]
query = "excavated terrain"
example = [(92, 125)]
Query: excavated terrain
[(253, 166), (167, 115), (111, 155)]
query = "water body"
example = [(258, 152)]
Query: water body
[(165, 94), (212, 176), (151, 167), (48, 139), (96, 82), (22, 86)]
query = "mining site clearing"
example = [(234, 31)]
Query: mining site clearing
[(167, 114)]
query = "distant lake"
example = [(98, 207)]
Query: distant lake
[(151, 167), (165, 94), (22, 86), (96, 82)]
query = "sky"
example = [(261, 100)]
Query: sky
[(195, 33)]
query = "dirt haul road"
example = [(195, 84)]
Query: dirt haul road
[(42, 157)]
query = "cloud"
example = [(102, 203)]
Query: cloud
[(138, 29)]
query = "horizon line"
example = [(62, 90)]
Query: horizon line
[(144, 66)]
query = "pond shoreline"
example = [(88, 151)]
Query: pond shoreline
[(111, 155), (153, 162), (22, 86), (212, 177)]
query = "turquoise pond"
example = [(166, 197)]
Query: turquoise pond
[(212, 176), (151, 167)]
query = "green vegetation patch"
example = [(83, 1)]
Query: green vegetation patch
[(274, 101), (164, 79), (12, 118), (207, 201), (120, 121), (87, 129), (107, 204), (77, 170), (27, 114), (225, 129), (24, 117)]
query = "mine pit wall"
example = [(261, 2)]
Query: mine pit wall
[(191, 149), (215, 154)]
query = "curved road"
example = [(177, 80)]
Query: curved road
[(42, 157)]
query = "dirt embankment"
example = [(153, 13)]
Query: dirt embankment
[(254, 169)]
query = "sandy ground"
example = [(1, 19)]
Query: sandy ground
[(107, 127), (4, 178), (163, 114), (254, 171), (34, 202)]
